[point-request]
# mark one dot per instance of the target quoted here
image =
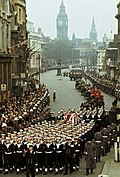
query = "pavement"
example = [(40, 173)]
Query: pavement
[(111, 168)]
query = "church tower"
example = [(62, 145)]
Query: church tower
[(93, 33), (62, 23)]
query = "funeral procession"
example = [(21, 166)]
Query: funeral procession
[(59, 94)]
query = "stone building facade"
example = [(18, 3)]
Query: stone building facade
[(6, 12), (118, 60), (5, 22), (19, 46), (34, 43)]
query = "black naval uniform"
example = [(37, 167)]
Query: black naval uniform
[(1, 155), (8, 161), (30, 164), (58, 157), (69, 156), (77, 154), (40, 156), (19, 157), (25, 148), (48, 157)]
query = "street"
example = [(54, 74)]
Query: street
[(66, 94)]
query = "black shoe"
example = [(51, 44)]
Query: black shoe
[(40, 171), (45, 173), (22, 170), (0, 171), (73, 170), (6, 172), (87, 171), (91, 171), (56, 173)]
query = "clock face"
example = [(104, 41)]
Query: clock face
[(60, 22)]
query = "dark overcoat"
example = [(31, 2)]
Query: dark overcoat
[(90, 155)]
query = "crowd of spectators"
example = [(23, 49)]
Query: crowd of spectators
[(106, 84), (24, 110), (90, 93)]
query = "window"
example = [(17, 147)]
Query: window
[(20, 14)]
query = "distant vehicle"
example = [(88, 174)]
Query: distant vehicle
[(75, 74)]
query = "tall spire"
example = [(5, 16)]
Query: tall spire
[(62, 9), (93, 26), (93, 32), (62, 23), (62, 4)]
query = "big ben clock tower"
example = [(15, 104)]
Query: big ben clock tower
[(62, 23)]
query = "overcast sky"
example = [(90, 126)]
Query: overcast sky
[(80, 13)]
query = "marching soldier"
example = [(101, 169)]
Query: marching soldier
[(14, 156), (25, 149), (82, 140), (19, 155), (30, 162), (90, 156), (77, 153), (69, 155), (100, 120), (114, 135), (105, 139), (39, 155), (98, 141), (8, 150), (109, 128), (48, 155), (58, 156)]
